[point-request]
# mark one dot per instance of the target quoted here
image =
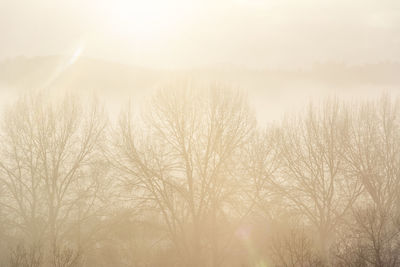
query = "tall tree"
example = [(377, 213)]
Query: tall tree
[(186, 163), (313, 175), (373, 155), (51, 169)]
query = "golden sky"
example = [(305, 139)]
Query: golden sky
[(184, 34)]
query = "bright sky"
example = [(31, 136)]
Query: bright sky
[(184, 33)]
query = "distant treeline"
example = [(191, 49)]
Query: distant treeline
[(57, 72), (194, 181)]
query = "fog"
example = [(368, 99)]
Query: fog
[(177, 133), (187, 34)]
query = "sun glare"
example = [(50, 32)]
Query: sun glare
[(148, 19)]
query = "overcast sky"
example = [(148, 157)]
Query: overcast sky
[(184, 34)]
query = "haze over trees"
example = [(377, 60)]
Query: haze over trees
[(193, 180)]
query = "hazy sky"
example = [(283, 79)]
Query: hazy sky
[(177, 33)]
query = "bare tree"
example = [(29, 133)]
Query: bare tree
[(192, 181), (313, 175), (293, 247), (48, 164), (186, 165), (373, 154), (23, 257)]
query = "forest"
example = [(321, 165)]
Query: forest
[(192, 179)]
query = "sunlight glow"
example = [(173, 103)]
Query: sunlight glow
[(77, 52), (64, 63), (146, 20)]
